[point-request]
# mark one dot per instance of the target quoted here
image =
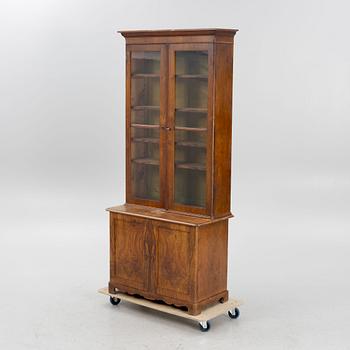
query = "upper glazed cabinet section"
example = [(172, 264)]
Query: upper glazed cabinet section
[(178, 120)]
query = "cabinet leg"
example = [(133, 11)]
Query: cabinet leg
[(224, 298), (111, 288), (194, 309)]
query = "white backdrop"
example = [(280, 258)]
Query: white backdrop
[(62, 162)]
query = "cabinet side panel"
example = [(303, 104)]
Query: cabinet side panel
[(112, 257), (212, 259), (222, 129)]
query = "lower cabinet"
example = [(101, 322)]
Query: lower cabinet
[(180, 264)]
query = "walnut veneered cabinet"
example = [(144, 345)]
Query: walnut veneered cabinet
[(169, 241)]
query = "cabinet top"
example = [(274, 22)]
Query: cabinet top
[(179, 36), (177, 32), (164, 215)]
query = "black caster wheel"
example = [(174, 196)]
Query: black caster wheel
[(235, 314), (114, 301), (204, 326)]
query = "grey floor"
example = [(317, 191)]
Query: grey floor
[(289, 262)]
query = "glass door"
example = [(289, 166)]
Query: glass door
[(145, 89), (190, 67)]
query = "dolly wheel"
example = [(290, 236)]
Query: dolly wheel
[(114, 301), (234, 313), (204, 326)]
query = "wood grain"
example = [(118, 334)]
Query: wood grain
[(130, 251), (174, 265), (222, 129), (212, 259)]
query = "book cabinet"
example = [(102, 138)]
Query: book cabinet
[(169, 240)]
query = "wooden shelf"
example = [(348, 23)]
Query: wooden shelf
[(145, 75), (192, 166), (145, 126), (145, 139), (191, 110), (145, 58), (148, 161), (192, 76), (191, 144), (185, 128), (140, 108)]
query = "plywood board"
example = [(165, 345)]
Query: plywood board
[(205, 315)]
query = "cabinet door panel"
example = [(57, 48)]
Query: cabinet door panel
[(130, 246), (145, 109), (190, 119), (174, 261)]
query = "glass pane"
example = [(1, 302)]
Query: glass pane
[(191, 127), (145, 117), (145, 93), (192, 62), (145, 108), (145, 62), (191, 119), (145, 168)]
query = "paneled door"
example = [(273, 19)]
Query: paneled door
[(190, 116), (146, 95), (174, 264), (131, 250)]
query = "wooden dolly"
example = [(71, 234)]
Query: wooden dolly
[(230, 306)]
